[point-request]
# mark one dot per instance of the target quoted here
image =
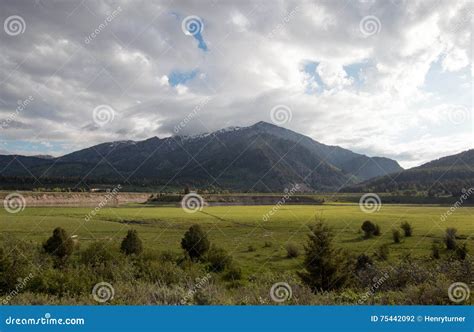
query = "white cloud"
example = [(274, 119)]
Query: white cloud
[(254, 62)]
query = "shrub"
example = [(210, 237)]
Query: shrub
[(168, 256), (369, 228), (195, 242), (396, 235), (461, 251), (363, 262), (59, 244), (233, 273), (292, 250), (407, 229), (435, 249), (131, 244), (251, 248), (383, 252), (376, 230), (96, 254), (450, 238), (218, 259), (324, 265)]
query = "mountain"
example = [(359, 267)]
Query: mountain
[(262, 157), (447, 175)]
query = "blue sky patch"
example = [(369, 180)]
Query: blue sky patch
[(310, 69), (181, 77)]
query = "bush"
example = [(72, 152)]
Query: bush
[(59, 244), (396, 235), (97, 254), (251, 248), (461, 252), (435, 250), (233, 273), (131, 244), (292, 250), (195, 242), (407, 229), (218, 259), (325, 267), (450, 238), (376, 230), (363, 262), (369, 228), (383, 252)]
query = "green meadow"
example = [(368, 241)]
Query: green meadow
[(255, 244)]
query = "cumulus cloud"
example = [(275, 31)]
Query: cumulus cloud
[(379, 94)]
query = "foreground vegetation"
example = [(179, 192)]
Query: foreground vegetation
[(149, 255)]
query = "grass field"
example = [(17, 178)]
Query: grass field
[(235, 228)]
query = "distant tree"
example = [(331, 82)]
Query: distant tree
[(407, 229), (369, 228), (435, 250), (59, 244), (325, 266), (396, 235), (450, 238), (195, 242), (131, 244)]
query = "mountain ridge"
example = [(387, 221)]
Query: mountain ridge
[(448, 175), (261, 157)]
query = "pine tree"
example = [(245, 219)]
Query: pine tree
[(131, 243), (326, 269), (59, 244), (195, 242)]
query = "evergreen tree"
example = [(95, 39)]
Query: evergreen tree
[(325, 267), (131, 244), (195, 242)]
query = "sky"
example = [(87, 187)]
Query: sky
[(388, 78)]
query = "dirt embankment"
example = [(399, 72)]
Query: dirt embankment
[(77, 199)]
